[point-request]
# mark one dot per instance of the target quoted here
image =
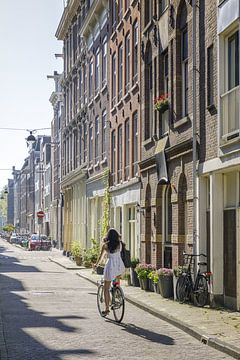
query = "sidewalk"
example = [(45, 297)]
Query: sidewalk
[(217, 328)]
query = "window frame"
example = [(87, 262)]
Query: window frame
[(127, 62), (135, 52)]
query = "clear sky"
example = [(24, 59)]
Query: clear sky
[(27, 49)]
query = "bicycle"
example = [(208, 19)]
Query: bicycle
[(198, 289), (117, 300)]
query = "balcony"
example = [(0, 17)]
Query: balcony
[(230, 119)]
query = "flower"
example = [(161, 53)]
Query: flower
[(165, 272), (161, 103), (143, 270)]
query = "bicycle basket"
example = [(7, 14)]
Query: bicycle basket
[(99, 270)]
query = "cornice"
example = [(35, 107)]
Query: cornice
[(66, 19)]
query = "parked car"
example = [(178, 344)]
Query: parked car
[(39, 242)]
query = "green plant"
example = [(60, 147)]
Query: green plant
[(153, 275), (178, 270), (90, 255), (161, 103), (9, 228), (134, 262), (76, 250), (143, 270)]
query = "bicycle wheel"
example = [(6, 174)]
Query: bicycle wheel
[(201, 291), (118, 304), (182, 289), (100, 300)]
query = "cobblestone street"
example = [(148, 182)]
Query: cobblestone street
[(50, 313)]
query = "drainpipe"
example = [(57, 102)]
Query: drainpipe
[(194, 170)]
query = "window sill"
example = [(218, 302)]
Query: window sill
[(120, 25), (134, 88), (126, 97), (97, 96), (148, 26), (133, 3), (181, 122), (103, 161), (113, 110), (127, 13), (113, 36), (104, 88), (148, 141), (119, 104)]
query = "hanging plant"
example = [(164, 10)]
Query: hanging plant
[(161, 103), (105, 220)]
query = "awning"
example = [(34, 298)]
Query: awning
[(161, 161)]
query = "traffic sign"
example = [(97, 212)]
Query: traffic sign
[(40, 214)]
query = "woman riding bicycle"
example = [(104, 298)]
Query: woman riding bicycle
[(114, 266)]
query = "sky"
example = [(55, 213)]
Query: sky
[(27, 49)]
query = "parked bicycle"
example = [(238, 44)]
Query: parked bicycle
[(187, 288), (117, 300)]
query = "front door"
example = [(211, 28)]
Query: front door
[(230, 250)]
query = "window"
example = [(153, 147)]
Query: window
[(85, 142), (127, 63), (233, 60), (165, 116), (80, 145), (120, 149), (104, 128), (127, 149), (120, 10), (135, 143), (104, 61), (210, 86), (113, 153), (135, 52), (91, 78), (113, 79), (162, 6), (97, 70), (96, 139), (81, 84), (114, 14), (120, 71), (127, 5), (147, 12), (85, 83), (184, 58), (90, 142), (148, 93)]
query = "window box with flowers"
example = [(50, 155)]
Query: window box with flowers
[(161, 103), (166, 282)]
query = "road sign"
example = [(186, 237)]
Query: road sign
[(40, 214), (40, 221)]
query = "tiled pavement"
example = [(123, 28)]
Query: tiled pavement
[(218, 328)]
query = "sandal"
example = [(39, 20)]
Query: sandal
[(105, 312)]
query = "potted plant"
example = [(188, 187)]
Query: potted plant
[(166, 282), (133, 273), (76, 252), (161, 103), (90, 255), (142, 272), (154, 278), (177, 271)]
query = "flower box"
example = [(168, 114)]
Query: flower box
[(161, 103)]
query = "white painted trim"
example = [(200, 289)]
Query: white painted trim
[(218, 165)]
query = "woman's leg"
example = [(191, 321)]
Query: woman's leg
[(106, 294)]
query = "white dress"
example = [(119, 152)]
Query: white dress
[(114, 265)]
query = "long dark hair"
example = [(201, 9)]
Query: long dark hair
[(112, 239)]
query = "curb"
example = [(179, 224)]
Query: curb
[(70, 267), (191, 330)]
